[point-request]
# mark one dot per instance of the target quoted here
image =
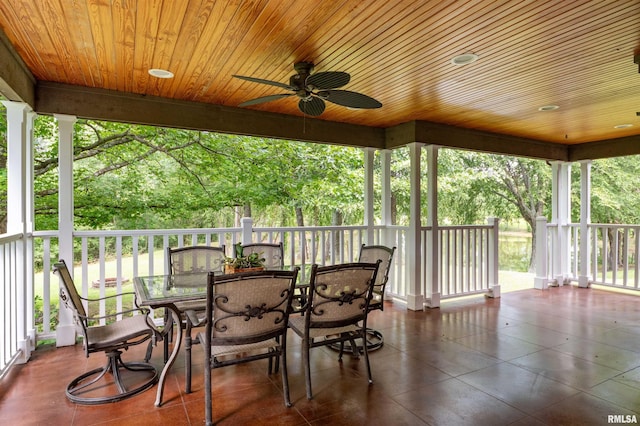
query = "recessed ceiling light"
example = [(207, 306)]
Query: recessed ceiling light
[(156, 72), (548, 108), (623, 126), (464, 59)]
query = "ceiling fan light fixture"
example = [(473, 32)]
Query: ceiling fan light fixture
[(464, 59), (548, 108), (160, 73)]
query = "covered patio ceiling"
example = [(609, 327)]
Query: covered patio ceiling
[(90, 58)]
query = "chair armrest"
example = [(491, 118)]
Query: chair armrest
[(143, 311), (90, 299)]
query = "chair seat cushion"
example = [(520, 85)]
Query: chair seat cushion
[(119, 332), (297, 325), (224, 350)]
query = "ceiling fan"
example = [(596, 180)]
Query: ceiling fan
[(314, 89)]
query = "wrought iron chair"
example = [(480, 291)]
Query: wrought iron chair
[(247, 316), (192, 260), (336, 309), (273, 254), (371, 254), (111, 339), (375, 340)]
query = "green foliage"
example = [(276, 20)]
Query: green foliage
[(252, 260), (615, 190), (139, 177)]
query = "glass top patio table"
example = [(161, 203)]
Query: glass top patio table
[(165, 291)]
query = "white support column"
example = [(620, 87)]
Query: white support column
[(369, 220), (584, 278), (16, 174), (66, 330), (541, 280), (387, 237), (415, 298), (561, 212), (19, 179), (385, 184), (494, 284), (246, 223), (29, 228), (432, 246)]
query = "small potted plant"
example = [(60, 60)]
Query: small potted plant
[(242, 263)]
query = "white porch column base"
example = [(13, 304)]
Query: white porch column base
[(494, 291), (433, 301), (25, 351), (559, 280), (66, 335), (584, 282), (415, 302), (540, 283)]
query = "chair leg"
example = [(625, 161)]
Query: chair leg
[(208, 409), (147, 355), (307, 366), (284, 372), (366, 355), (188, 342)]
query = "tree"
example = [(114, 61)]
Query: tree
[(496, 185)]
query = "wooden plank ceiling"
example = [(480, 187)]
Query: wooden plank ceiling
[(578, 55)]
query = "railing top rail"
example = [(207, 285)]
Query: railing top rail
[(307, 228), (142, 232), (447, 227), (613, 225), (10, 238)]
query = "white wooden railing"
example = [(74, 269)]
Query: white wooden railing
[(468, 260), (612, 261), (17, 334)]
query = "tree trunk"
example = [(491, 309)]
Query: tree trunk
[(336, 220), (394, 209), (300, 222), (299, 217)]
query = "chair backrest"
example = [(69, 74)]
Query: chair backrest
[(250, 307), (273, 254), (385, 254), (339, 294), (195, 259), (69, 295)]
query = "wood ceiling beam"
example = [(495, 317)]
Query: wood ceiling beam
[(619, 147), (108, 105), (460, 138), (16, 81), (99, 104)]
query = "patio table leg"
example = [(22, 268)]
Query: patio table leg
[(172, 357)]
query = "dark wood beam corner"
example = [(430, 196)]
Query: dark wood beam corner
[(619, 147), (474, 140), (16, 81)]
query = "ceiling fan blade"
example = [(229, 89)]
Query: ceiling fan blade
[(265, 99), (328, 79), (312, 106), (349, 99), (263, 81)]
